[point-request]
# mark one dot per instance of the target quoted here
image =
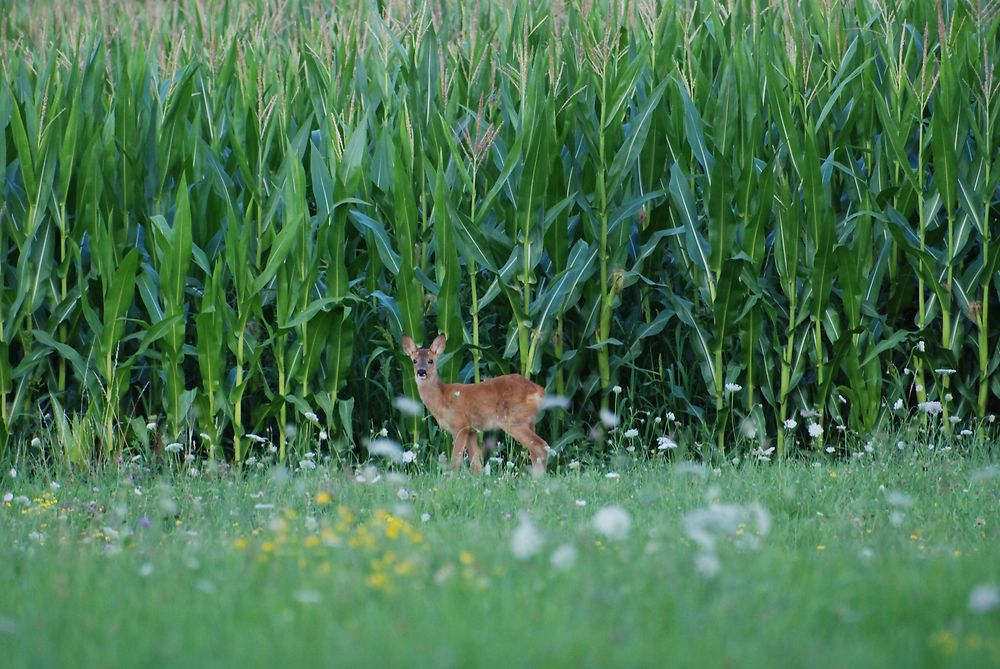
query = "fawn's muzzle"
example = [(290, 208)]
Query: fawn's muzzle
[(421, 373)]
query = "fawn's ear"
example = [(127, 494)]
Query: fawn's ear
[(409, 348), (437, 346)]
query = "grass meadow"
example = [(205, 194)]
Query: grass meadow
[(886, 559)]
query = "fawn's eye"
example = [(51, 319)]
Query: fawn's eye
[(430, 362)]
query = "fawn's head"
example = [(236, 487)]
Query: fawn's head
[(423, 359)]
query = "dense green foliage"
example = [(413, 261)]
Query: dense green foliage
[(888, 560), (219, 217)]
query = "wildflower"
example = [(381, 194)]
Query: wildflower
[(671, 416), (790, 424), (707, 564), (151, 425), (407, 406), (631, 433), (256, 438), (921, 346), (616, 389), (613, 522), (323, 497), (898, 405), (808, 413), (609, 418), (665, 442), (984, 598), (612, 475), (563, 557), (55, 485), (36, 442), (991, 418), (307, 464), (945, 371), (193, 472), (403, 494), (13, 473), (409, 456), (815, 430), (526, 540), (869, 448), (308, 596), (271, 448), (733, 387), (830, 449), (174, 447), (581, 502), (144, 522), (8, 497), (966, 433), (323, 436), (954, 420), (763, 455), (948, 397), (205, 436), (657, 420), (931, 408), (574, 464), (424, 517), (386, 448)]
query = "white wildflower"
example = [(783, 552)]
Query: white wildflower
[(954, 420), (407, 406), (13, 472), (665, 442), (612, 475), (707, 564), (830, 449), (733, 387), (36, 442), (932, 408), (815, 430), (763, 455), (425, 517), (671, 416), (616, 389), (613, 522), (256, 438), (323, 436), (921, 346), (563, 557), (631, 433), (386, 448), (409, 456), (311, 417), (55, 485), (575, 464), (790, 424), (151, 425), (898, 404), (581, 502), (945, 371), (526, 540), (984, 598), (8, 497), (965, 433), (609, 418), (306, 464)]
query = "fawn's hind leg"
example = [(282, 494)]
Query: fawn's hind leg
[(537, 447)]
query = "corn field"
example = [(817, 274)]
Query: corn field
[(775, 220)]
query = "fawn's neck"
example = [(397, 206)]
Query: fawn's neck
[(432, 393)]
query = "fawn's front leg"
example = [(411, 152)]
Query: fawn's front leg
[(461, 440)]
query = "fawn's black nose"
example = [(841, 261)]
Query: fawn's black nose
[(421, 373)]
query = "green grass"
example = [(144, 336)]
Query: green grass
[(848, 572)]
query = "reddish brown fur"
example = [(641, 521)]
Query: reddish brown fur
[(509, 403)]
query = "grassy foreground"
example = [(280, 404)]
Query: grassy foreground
[(891, 558)]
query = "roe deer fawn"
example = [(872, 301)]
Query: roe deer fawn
[(510, 403)]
